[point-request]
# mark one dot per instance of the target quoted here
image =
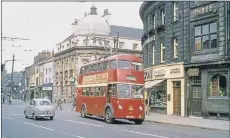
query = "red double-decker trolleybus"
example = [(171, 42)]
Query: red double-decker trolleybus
[(112, 88)]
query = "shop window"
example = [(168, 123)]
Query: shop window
[(218, 86)]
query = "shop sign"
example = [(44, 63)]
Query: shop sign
[(193, 72), (148, 75), (175, 71), (47, 88), (159, 72), (149, 40)]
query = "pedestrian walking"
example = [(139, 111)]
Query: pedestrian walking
[(147, 105), (10, 99), (59, 102), (74, 101)]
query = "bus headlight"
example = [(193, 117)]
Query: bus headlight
[(120, 107), (140, 108)]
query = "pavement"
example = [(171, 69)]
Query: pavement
[(69, 124)]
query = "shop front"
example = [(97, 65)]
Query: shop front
[(164, 87), (47, 90), (208, 89)]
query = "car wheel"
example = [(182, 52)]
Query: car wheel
[(51, 118), (83, 112), (108, 116), (25, 114), (34, 117)]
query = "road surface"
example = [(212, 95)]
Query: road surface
[(69, 124)]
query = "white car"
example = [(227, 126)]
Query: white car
[(40, 108)]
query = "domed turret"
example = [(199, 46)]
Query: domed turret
[(92, 24)]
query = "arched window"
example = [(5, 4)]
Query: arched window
[(218, 85)]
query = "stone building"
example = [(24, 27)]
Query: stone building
[(93, 38), (186, 54), (208, 68)]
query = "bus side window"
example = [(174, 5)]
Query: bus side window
[(101, 91), (86, 70), (105, 65), (83, 91), (82, 70), (113, 64), (92, 91), (87, 92), (97, 91), (96, 67), (100, 66)]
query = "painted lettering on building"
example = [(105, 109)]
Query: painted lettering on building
[(159, 72), (149, 40), (206, 9), (148, 75), (193, 72), (94, 79), (175, 71)]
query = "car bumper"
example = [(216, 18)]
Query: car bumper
[(45, 115)]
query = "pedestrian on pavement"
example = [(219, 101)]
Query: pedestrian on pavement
[(59, 102), (10, 99), (74, 101), (147, 105)]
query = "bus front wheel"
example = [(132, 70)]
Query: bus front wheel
[(83, 112), (108, 116), (138, 121)]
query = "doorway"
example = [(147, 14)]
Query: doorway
[(177, 98)]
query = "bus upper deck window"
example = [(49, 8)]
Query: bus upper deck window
[(113, 64), (137, 66), (123, 64)]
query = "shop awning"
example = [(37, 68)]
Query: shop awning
[(152, 83)]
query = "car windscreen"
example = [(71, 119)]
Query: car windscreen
[(44, 103)]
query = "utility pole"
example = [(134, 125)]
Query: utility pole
[(117, 42), (12, 75)]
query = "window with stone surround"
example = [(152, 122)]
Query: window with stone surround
[(153, 54), (206, 36), (175, 11), (162, 52), (218, 86), (175, 48)]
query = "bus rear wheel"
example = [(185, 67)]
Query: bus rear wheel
[(83, 112), (108, 116), (138, 121)]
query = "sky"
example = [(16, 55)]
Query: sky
[(46, 24)]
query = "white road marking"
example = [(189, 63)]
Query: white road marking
[(38, 126), (73, 135), (12, 114), (146, 134), (84, 123), (7, 118)]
